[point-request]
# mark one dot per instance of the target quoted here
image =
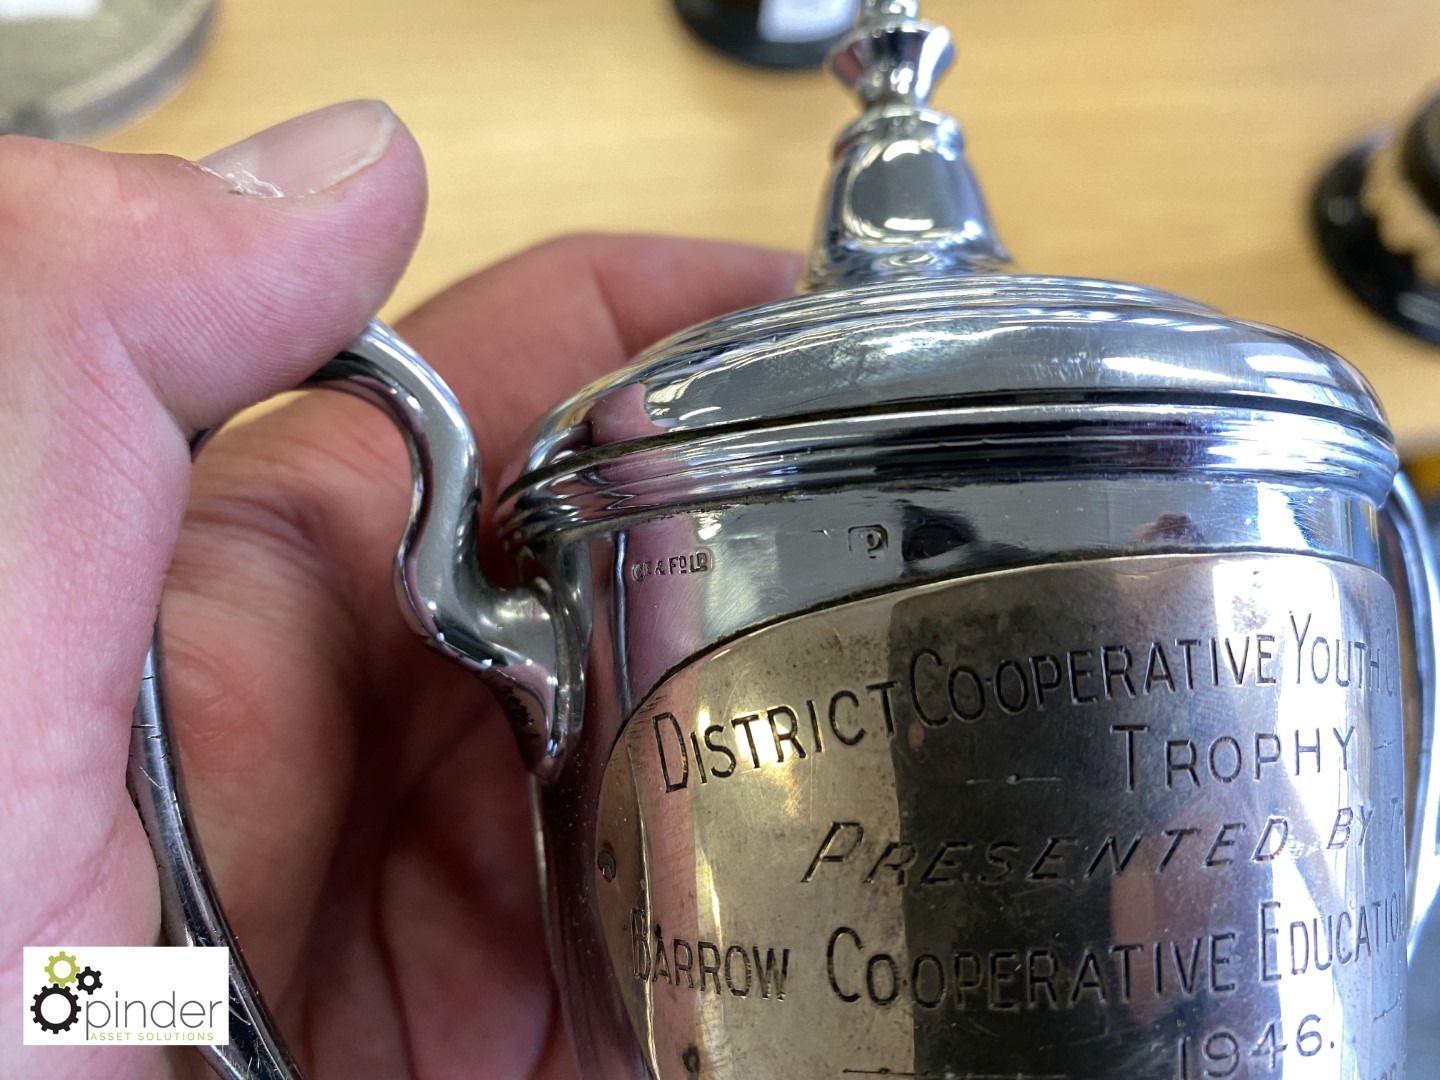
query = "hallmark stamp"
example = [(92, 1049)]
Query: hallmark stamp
[(870, 541), (695, 562)]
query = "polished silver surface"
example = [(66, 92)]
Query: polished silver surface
[(1424, 1011), (902, 201), (657, 605), (674, 584), (923, 446), (1412, 569), (189, 909), (1135, 817), (508, 637), (780, 468), (988, 352)]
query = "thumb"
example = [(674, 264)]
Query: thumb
[(142, 298), (224, 281)]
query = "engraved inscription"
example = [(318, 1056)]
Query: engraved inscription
[(1353, 935), (739, 970), (938, 690), (694, 562), (1225, 759), (1221, 1053), (1029, 977), (1067, 859), (1139, 816)]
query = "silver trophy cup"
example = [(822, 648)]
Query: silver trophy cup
[(944, 674)]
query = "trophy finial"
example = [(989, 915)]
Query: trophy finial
[(891, 55), (902, 201)]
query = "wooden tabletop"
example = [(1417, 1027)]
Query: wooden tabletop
[(1168, 142)]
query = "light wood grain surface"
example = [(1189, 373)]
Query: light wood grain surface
[(1169, 142)]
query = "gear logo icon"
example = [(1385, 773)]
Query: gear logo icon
[(56, 1007), (61, 969), (48, 1023), (88, 980)]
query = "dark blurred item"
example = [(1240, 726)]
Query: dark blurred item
[(770, 33), (70, 69), (1377, 216)]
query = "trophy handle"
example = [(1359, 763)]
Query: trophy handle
[(514, 639), (1407, 520)]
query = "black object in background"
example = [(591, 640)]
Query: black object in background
[(1376, 213), (770, 33)]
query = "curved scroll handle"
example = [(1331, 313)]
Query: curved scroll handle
[(1407, 520), (514, 639)]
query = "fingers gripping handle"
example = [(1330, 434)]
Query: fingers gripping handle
[(513, 639)]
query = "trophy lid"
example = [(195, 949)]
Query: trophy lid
[(909, 330)]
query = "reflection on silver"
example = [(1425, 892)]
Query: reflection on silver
[(902, 202), (1094, 819), (1418, 590), (510, 638), (190, 911)]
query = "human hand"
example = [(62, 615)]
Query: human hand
[(360, 803)]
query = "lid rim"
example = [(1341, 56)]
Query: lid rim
[(951, 345), (971, 405), (1083, 441)]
